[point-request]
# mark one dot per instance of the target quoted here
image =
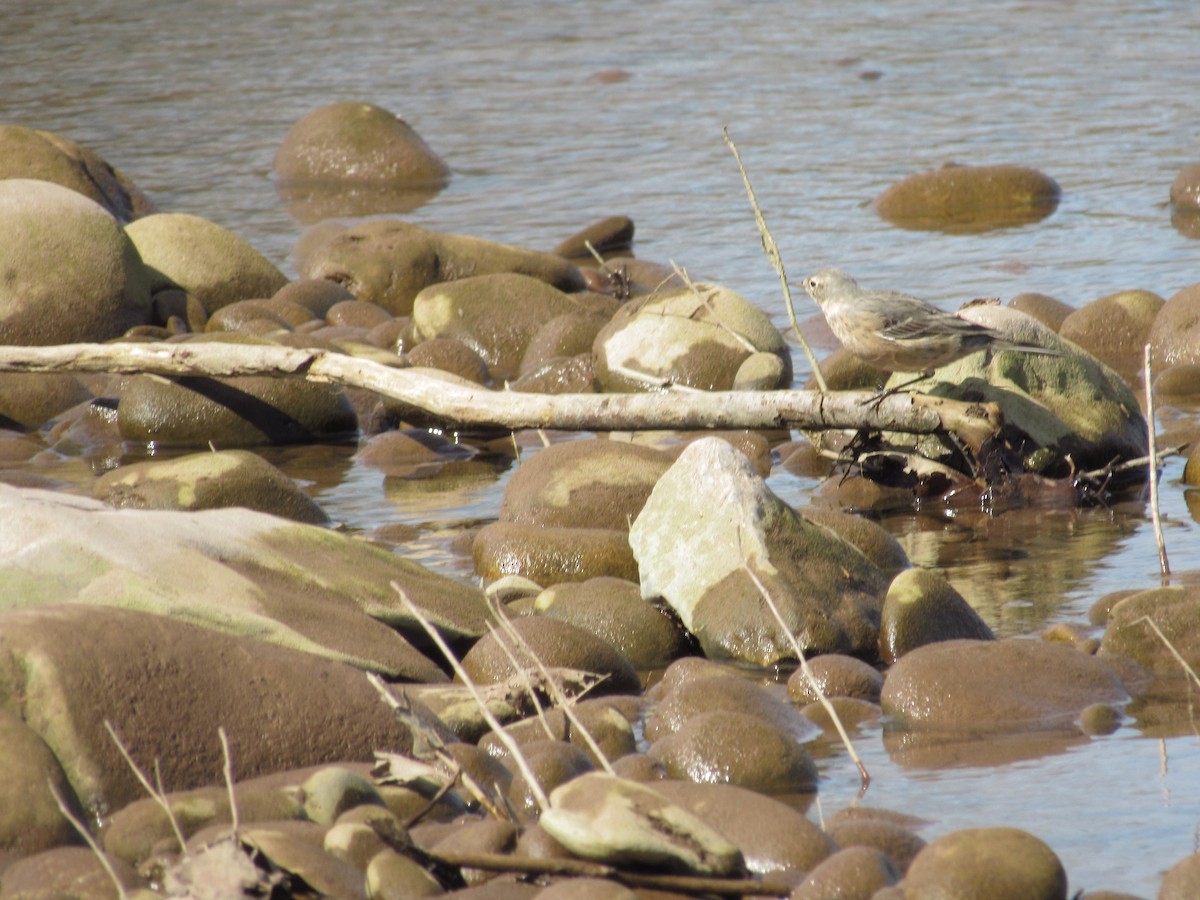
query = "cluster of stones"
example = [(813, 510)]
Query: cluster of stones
[(204, 592)]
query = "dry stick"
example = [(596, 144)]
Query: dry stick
[(1163, 565), (560, 697), (503, 736), (703, 300), (233, 807), (772, 252), (692, 884), (523, 673), (476, 406), (159, 796), (86, 835), (809, 677)]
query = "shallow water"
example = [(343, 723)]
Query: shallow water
[(829, 104)]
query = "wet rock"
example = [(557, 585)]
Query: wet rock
[(333, 790), (570, 334), (1179, 386), (388, 262), (1115, 328), (280, 708), (874, 541), (988, 864), (208, 481), (30, 821), (45, 156), (1185, 189), (410, 453), (317, 295), (73, 872), (1191, 469), (686, 670), (708, 518), (1175, 335), (851, 712), (761, 372), (639, 767), (1050, 311), (393, 876), (496, 315), (1176, 612), (854, 873), (552, 763), (727, 747), (597, 816), (556, 644), (357, 314), (969, 199), (836, 676), (242, 411), (772, 836), (552, 555), (921, 608), (603, 718), (1004, 685), (613, 609), (625, 277), (71, 273), (450, 355), (297, 847), (232, 570), (699, 339), (1182, 880), (843, 371), (608, 237), (29, 400), (247, 317), (691, 697), (893, 839), (560, 375), (209, 262)]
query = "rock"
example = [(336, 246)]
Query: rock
[(208, 481), (496, 315), (29, 400), (556, 644), (836, 676), (552, 555), (605, 719), (560, 375), (26, 153), (73, 872), (567, 335), (695, 338), (71, 273), (1185, 189), (896, 841), (692, 697), (242, 411), (994, 686), (1176, 612), (987, 864), (969, 199), (874, 541), (248, 317), (727, 747), (449, 355), (231, 570), (280, 708), (854, 873), (921, 608), (1050, 311), (709, 518), (333, 790), (552, 763), (1182, 880), (1175, 335), (411, 453), (210, 263), (1115, 328), (1179, 386), (609, 236), (317, 295), (388, 262), (613, 610), (355, 159), (298, 847), (393, 876), (586, 889), (772, 836), (600, 817), (30, 821)]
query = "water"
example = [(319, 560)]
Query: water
[(829, 104)]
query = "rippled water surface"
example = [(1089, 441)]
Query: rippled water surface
[(555, 114)]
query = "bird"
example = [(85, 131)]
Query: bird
[(897, 332)]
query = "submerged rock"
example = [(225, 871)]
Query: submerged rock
[(710, 522), (969, 199)]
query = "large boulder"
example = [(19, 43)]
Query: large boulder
[(46, 156), (210, 263), (70, 273), (712, 537), (389, 262)]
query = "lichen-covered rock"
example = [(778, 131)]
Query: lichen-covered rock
[(967, 199), (70, 272), (699, 338), (208, 262), (713, 536), (46, 156)]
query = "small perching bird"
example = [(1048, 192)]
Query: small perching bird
[(897, 332)]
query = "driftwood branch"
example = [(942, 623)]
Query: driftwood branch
[(463, 406)]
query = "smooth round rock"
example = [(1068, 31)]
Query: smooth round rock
[(1115, 327), (921, 608), (837, 676), (393, 876), (691, 698), (900, 844), (71, 273), (1175, 335), (969, 199), (853, 873), (552, 555), (987, 864), (1185, 189), (1050, 311), (333, 790)]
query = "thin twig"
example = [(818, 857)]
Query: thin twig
[(159, 796), (86, 835), (233, 807), (772, 252), (523, 673), (1164, 565), (539, 795)]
